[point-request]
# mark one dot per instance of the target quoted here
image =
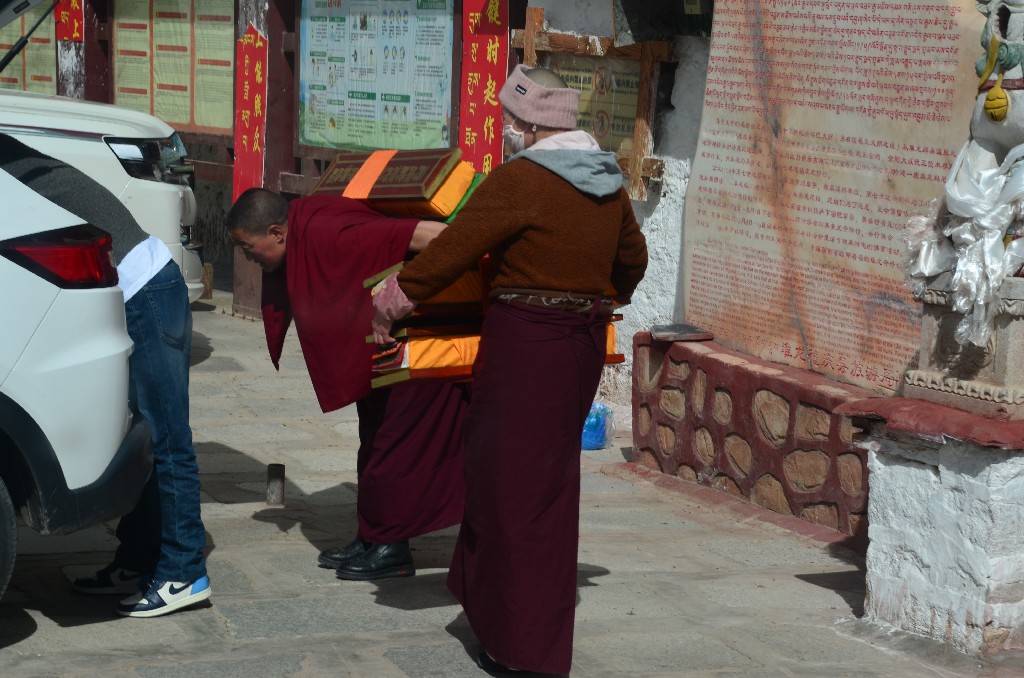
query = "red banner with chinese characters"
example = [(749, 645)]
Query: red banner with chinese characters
[(250, 110), (69, 19), (484, 67)]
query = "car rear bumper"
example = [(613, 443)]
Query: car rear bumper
[(115, 492), (59, 510), (191, 265)]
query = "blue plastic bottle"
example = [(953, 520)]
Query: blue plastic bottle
[(595, 428)]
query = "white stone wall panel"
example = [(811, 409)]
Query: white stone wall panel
[(946, 558)]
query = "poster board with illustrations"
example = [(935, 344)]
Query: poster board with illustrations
[(375, 74)]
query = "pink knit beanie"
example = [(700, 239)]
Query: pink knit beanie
[(555, 107)]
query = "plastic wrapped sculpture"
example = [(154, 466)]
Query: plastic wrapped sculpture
[(984, 194)]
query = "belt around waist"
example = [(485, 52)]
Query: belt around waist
[(571, 303)]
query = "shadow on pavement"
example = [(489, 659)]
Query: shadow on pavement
[(201, 349), (324, 517), (15, 625), (422, 592), (460, 629), (39, 584), (849, 585)]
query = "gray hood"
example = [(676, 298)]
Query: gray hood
[(576, 157)]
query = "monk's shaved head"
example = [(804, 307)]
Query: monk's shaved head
[(256, 210)]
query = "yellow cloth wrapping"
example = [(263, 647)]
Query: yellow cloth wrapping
[(438, 206), (427, 353), (433, 352)]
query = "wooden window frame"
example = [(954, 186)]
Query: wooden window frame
[(639, 166)]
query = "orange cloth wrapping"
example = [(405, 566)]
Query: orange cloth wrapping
[(448, 357), (438, 206)]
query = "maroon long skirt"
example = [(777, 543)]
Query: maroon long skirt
[(514, 568), (410, 461)]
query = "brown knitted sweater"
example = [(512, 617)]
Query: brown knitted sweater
[(542, 234)]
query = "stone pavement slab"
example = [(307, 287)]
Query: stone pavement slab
[(673, 581)]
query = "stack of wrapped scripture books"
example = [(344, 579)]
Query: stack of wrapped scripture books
[(428, 183), (441, 338)]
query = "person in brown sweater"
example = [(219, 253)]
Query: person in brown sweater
[(564, 248)]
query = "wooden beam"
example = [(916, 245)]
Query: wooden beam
[(545, 41), (534, 26), (297, 184), (587, 45), (650, 168), (643, 135)]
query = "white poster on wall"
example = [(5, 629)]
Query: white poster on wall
[(376, 73)]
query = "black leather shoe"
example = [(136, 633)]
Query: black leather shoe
[(332, 558), (484, 661), (381, 561)]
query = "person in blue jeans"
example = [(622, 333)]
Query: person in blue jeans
[(160, 554)]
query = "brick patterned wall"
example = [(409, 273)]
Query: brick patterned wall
[(749, 427)]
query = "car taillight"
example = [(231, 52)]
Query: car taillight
[(77, 257)]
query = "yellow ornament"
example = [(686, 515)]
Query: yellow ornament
[(997, 104)]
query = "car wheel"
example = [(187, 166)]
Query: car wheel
[(8, 538)]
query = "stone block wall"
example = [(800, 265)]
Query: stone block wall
[(749, 427)]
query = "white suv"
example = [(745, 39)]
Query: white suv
[(72, 453), (135, 156)]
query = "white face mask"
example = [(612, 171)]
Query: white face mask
[(513, 138)]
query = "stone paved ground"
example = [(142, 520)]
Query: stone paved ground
[(672, 582)]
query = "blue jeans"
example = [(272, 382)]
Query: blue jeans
[(164, 533)]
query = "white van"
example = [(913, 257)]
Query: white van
[(135, 156)]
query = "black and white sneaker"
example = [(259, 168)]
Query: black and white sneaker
[(111, 579), (163, 597)]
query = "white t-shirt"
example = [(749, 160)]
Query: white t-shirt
[(140, 265)]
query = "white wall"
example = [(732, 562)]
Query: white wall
[(586, 17), (659, 299), (945, 558)]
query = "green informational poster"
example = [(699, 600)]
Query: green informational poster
[(376, 73)]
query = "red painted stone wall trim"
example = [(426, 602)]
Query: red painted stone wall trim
[(759, 430), (935, 421)]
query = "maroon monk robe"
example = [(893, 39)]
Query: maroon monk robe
[(333, 245), (514, 567), (404, 489), (410, 454)]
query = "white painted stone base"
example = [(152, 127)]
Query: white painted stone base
[(946, 556)]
